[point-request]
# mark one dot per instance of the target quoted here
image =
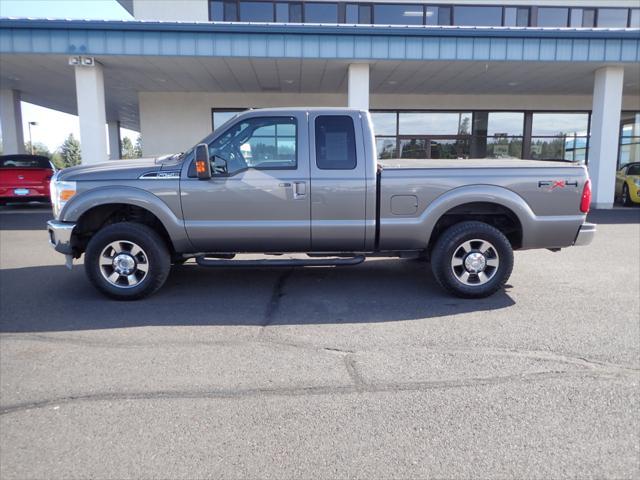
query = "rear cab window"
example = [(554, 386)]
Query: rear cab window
[(335, 142)]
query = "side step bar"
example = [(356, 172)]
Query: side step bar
[(324, 262)]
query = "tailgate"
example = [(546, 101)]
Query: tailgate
[(18, 177)]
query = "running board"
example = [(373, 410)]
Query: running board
[(324, 262)]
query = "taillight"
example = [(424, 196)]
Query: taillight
[(585, 202)]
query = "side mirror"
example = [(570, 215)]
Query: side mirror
[(203, 167)]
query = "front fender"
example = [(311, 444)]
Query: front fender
[(84, 201)]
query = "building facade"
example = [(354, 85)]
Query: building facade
[(448, 79)]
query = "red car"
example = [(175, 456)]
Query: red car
[(24, 178)]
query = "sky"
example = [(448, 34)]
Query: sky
[(53, 127)]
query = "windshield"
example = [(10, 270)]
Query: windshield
[(633, 170), (24, 161)]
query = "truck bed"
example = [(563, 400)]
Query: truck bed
[(413, 190)]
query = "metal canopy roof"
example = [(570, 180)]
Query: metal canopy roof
[(141, 56), (310, 41)]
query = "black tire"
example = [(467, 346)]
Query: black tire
[(155, 257), (625, 198), (449, 248)]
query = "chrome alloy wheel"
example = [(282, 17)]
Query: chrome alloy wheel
[(124, 264), (475, 262)]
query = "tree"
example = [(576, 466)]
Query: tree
[(138, 147), (127, 148), (38, 149), (70, 152)]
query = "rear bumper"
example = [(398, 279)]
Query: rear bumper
[(585, 234), (60, 236)]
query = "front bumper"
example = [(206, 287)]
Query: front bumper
[(585, 234), (60, 236)]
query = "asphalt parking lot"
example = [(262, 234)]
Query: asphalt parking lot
[(367, 372)]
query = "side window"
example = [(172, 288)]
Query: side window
[(335, 143), (260, 143)]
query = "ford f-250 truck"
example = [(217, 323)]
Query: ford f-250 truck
[(306, 180)]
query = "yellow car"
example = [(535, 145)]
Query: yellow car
[(628, 184)]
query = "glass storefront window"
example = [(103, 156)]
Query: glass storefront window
[(516, 17), (321, 12), (504, 147), (386, 148), (384, 123), (612, 17), (505, 123), (435, 123), (414, 148), (629, 138), (459, 148), (634, 21), (295, 12), (221, 116), (282, 12), (216, 11), (553, 17), (558, 124), (256, 12), (356, 13), (398, 14), (477, 16)]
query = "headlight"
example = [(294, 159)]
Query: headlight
[(637, 182), (61, 193)]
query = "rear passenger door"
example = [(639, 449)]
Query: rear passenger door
[(338, 184)]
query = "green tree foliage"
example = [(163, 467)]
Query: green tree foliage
[(38, 149), (127, 148), (138, 147), (70, 152)]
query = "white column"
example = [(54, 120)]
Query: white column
[(91, 112), (113, 129), (11, 120), (358, 86), (605, 130)]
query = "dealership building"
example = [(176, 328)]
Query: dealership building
[(448, 79)]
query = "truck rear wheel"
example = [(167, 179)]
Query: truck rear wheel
[(127, 261), (472, 260)]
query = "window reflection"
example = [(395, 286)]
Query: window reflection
[(612, 17), (221, 116), (386, 148), (552, 124), (478, 16), (553, 17), (384, 123), (406, 14), (321, 12), (256, 12), (629, 138), (435, 123)]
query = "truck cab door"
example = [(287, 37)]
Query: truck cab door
[(258, 197), (338, 185)]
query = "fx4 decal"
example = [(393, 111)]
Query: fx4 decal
[(551, 185)]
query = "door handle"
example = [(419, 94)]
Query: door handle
[(300, 189)]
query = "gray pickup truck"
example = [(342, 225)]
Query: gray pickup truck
[(306, 180)]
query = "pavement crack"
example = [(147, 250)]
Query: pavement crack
[(352, 370), (358, 387), (276, 294)]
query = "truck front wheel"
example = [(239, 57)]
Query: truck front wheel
[(127, 261), (472, 260)]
